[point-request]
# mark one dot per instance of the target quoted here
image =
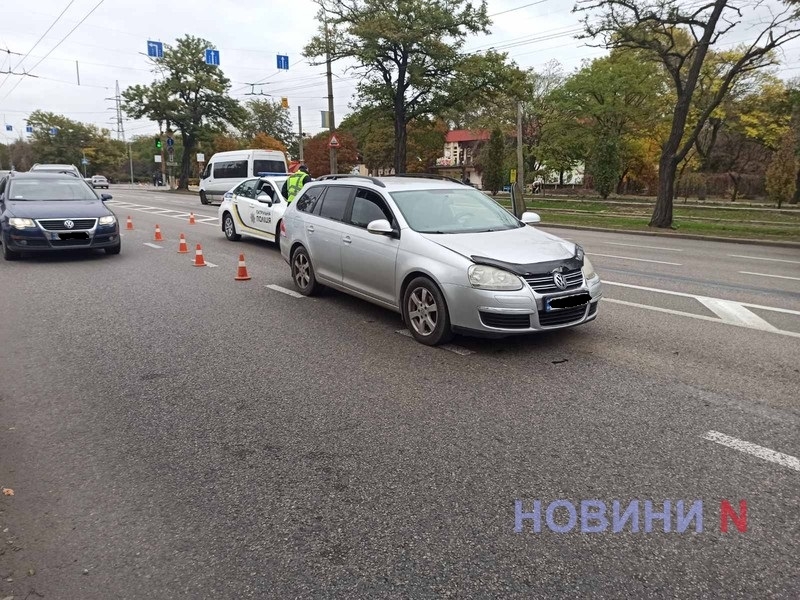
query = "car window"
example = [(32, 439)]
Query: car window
[(231, 169), (247, 188), (265, 187), (334, 204), (269, 166), (3, 185), (50, 189), (207, 172), (367, 207), (308, 201), (461, 210)]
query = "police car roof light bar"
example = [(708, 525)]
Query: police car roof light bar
[(271, 174)]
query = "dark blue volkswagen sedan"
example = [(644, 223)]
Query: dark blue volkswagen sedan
[(45, 212)]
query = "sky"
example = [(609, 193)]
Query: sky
[(108, 41)]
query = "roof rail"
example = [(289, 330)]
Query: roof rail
[(426, 176), (374, 180)]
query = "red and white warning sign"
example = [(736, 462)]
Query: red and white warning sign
[(334, 143)]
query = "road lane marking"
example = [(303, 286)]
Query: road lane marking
[(761, 452), (768, 275), (153, 245), (733, 312), (794, 262), (212, 265), (283, 290), (681, 313), (696, 297), (640, 246), (450, 347), (660, 262)]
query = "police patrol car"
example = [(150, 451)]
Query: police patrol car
[(255, 208)]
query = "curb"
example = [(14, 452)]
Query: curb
[(684, 236)]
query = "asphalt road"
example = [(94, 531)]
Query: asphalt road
[(169, 432)]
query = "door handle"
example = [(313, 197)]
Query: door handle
[(310, 228), (347, 239)]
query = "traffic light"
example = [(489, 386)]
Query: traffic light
[(158, 143)]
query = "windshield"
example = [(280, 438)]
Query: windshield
[(453, 211), (50, 189)]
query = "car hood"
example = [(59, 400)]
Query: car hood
[(521, 250), (35, 209)]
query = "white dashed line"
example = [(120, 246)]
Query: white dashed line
[(451, 347), (152, 245), (660, 262), (768, 275), (783, 260), (640, 246), (735, 313), (283, 290), (761, 452)]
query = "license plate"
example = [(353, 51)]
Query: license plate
[(73, 236), (562, 302)]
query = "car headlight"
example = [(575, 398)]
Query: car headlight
[(109, 220), (491, 278), (579, 254), (588, 269), (21, 223)]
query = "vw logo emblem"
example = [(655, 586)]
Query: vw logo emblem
[(69, 224), (558, 279)]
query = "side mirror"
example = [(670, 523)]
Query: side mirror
[(529, 218), (105, 197), (266, 198), (227, 196), (380, 227)]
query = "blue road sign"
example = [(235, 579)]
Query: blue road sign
[(9, 128), (212, 57), (53, 130), (283, 62), (84, 161), (170, 142), (155, 49), (28, 128)]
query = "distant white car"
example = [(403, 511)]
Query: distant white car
[(98, 181), (255, 208)]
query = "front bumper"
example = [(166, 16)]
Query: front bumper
[(40, 240), (499, 314)]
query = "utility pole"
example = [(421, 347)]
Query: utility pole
[(519, 205), (300, 127), (331, 120)]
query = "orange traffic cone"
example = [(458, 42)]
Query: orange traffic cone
[(158, 237), (199, 261), (191, 218), (241, 274), (182, 247), (129, 224)]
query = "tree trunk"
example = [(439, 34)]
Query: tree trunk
[(188, 147), (662, 214), (735, 190), (561, 177), (400, 141), (796, 196)]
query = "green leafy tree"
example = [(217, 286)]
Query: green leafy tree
[(679, 37), (409, 55), (492, 160), (782, 169), (189, 96), (606, 165), (269, 117)]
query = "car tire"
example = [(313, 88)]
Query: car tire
[(431, 325), (9, 254), (113, 249), (203, 198), (303, 273), (229, 228)]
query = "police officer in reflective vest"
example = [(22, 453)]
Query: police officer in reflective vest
[(295, 183)]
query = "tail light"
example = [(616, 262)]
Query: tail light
[(283, 229)]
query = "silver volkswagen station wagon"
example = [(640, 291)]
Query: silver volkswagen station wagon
[(444, 255)]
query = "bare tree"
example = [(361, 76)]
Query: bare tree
[(679, 37)]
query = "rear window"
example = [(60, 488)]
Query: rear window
[(268, 166), (50, 189)]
